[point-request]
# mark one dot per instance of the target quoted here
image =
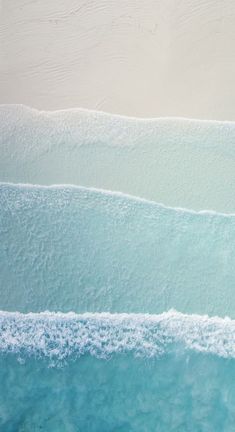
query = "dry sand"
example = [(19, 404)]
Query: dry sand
[(141, 58)]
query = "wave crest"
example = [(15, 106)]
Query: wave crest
[(59, 336)]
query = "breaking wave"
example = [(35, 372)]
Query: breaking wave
[(59, 335)]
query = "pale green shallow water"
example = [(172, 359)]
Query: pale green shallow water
[(179, 162)]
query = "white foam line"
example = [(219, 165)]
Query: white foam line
[(116, 194), (61, 335), (51, 113)]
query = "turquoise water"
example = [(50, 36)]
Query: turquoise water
[(116, 373), (116, 312), (186, 392)]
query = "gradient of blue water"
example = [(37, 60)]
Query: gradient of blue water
[(71, 248)]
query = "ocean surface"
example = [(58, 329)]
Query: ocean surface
[(122, 372), (174, 161), (70, 248), (116, 311)]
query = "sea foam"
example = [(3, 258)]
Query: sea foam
[(59, 336)]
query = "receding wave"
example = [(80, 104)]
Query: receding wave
[(180, 162), (59, 335), (70, 248)]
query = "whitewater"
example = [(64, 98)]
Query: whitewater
[(58, 336), (116, 311)]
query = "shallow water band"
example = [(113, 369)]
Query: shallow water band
[(180, 162), (69, 248)]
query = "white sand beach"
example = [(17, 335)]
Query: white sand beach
[(141, 58)]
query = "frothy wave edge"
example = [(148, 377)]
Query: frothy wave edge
[(58, 336), (114, 194)]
